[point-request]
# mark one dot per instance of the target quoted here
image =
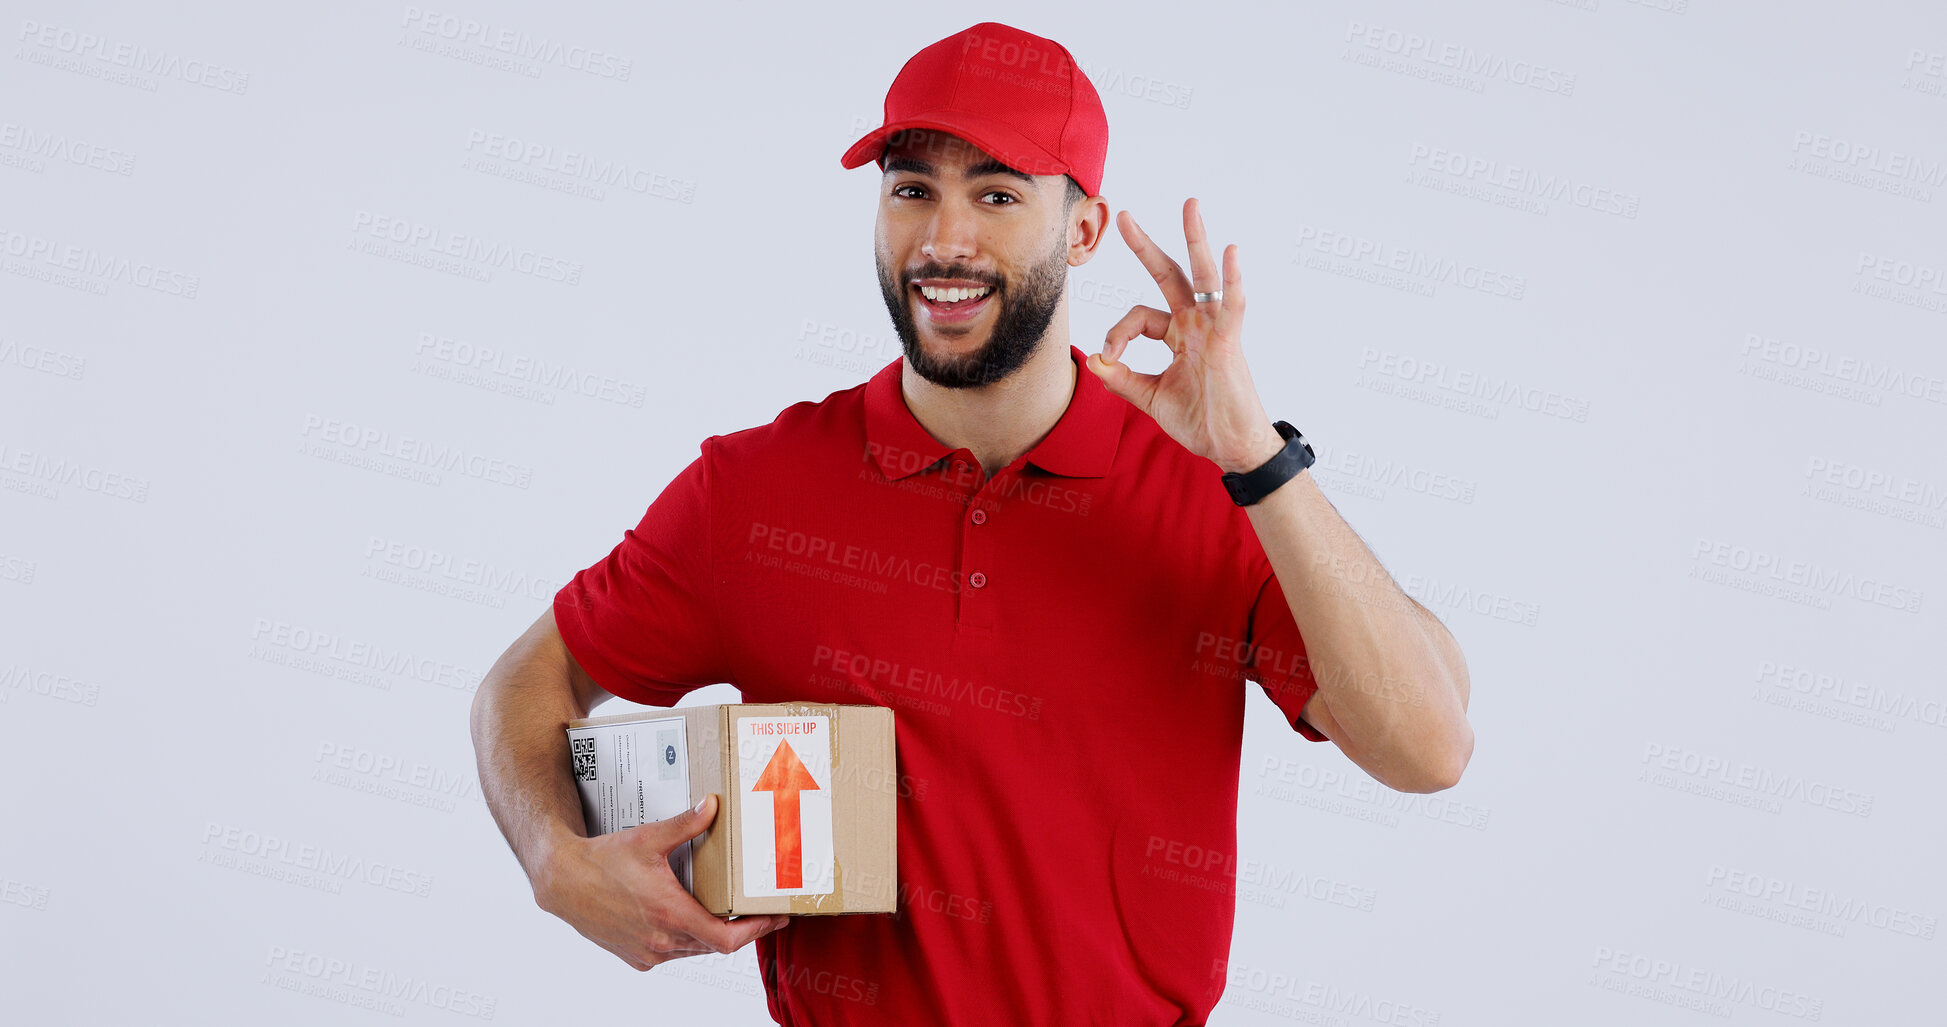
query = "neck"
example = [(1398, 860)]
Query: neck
[(1002, 421)]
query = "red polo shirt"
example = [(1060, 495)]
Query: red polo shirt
[(1065, 648)]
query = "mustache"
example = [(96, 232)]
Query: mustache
[(943, 271)]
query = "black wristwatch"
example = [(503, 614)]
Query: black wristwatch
[(1248, 487)]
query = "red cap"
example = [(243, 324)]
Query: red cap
[(1014, 94)]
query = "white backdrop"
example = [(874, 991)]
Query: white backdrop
[(1617, 325)]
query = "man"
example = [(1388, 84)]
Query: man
[(1041, 566)]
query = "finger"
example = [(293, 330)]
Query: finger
[(1168, 275), (715, 933), (1140, 320), (1126, 382), (683, 952), (1203, 270), (1233, 305), (740, 932), (765, 924), (664, 835)]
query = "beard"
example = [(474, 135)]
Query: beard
[(1025, 312)]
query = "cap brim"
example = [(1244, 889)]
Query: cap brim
[(1001, 142)]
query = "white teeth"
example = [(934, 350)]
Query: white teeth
[(953, 295)]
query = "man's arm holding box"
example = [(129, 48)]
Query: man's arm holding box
[(617, 890)]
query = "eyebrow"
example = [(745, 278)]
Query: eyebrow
[(990, 166)]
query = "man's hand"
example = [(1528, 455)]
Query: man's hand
[(618, 891), (1204, 399)]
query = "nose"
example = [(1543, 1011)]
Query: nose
[(950, 235)]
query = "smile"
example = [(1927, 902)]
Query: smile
[(950, 306)]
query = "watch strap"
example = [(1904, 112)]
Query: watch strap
[(1248, 487)]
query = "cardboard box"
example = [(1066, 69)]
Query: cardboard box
[(807, 799)]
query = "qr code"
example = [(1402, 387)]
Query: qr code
[(584, 750)]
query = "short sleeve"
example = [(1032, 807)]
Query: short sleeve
[(1278, 661), (643, 621)]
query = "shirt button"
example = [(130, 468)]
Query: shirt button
[(980, 517), (977, 579)]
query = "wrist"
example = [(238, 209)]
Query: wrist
[(1247, 487), (1262, 449)]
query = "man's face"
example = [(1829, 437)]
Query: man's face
[(951, 216)]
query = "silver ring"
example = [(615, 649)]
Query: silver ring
[(1208, 297)]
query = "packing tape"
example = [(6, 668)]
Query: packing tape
[(831, 902), (728, 774), (834, 900), (827, 711)]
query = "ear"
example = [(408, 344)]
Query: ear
[(1087, 225)]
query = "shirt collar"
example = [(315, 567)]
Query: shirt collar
[(1081, 445)]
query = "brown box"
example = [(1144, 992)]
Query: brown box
[(807, 799)]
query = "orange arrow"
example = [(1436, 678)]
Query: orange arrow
[(784, 777)]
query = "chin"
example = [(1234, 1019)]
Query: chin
[(961, 339)]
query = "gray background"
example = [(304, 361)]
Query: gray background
[(1662, 448)]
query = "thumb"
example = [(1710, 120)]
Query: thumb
[(683, 826), (1121, 380)]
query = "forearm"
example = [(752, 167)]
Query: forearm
[(518, 724), (1391, 676)]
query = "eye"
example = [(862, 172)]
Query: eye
[(1009, 196), (896, 189)]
